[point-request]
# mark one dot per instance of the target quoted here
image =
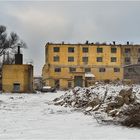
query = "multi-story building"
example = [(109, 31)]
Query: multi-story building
[(70, 65)]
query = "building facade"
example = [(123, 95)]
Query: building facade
[(70, 65), (17, 78)]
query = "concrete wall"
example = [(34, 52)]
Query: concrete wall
[(22, 74), (65, 76)]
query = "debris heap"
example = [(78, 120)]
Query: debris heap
[(106, 103)]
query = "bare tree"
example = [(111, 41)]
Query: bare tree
[(8, 45)]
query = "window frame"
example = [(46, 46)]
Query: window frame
[(56, 60), (99, 50), (116, 69), (56, 49), (85, 49), (69, 59), (115, 58), (98, 58), (85, 58), (102, 69), (113, 51), (71, 49), (56, 68)]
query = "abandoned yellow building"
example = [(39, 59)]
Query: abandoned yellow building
[(70, 65), (17, 77)]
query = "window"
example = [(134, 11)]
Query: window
[(69, 84), (56, 49), (101, 69), (130, 69), (85, 50), (99, 50), (139, 60), (57, 69), (113, 50), (99, 59), (116, 69), (138, 50), (127, 50), (56, 58), (85, 59), (87, 69), (71, 49), (127, 60), (70, 59), (113, 59), (71, 69)]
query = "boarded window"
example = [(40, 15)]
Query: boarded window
[(71, 59), (102, 70), (99, 59), (71, 49), (99, 50), (56, 49), (113, 59), (85, 49)]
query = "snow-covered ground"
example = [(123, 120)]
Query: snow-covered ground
[(32, 117)]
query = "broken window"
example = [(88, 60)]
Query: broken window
[(87, 70), (99, 59), (71, 49), (85, 59), (85, 49), (127, 50), (71, 59), (72, 69), (113, 50), (57, 69), (116, 69), (56, 58), (113, 59), (102, 69), (99, 50), (56, 49)]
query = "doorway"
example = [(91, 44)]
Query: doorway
[(78, 81)]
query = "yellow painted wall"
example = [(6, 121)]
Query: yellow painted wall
[(64, 76), (22, 74)]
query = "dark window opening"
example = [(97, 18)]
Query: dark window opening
[(56, 49), (70, 59), (99, 50), (85, 50), (102, 69), (71, 49), (99, 59), (113, 50), (57, 69)]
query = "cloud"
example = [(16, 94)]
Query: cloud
[(40, 22)]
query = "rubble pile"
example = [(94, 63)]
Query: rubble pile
[(106, 102)]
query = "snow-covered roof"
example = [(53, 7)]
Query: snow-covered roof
[(89, 75)]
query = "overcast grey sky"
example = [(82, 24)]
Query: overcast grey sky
[(40, 22)]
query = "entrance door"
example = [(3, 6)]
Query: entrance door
[(78, 81), (16, 87)]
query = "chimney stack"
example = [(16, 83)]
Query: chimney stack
[(113, 42), (127, 42), (18, 57)]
